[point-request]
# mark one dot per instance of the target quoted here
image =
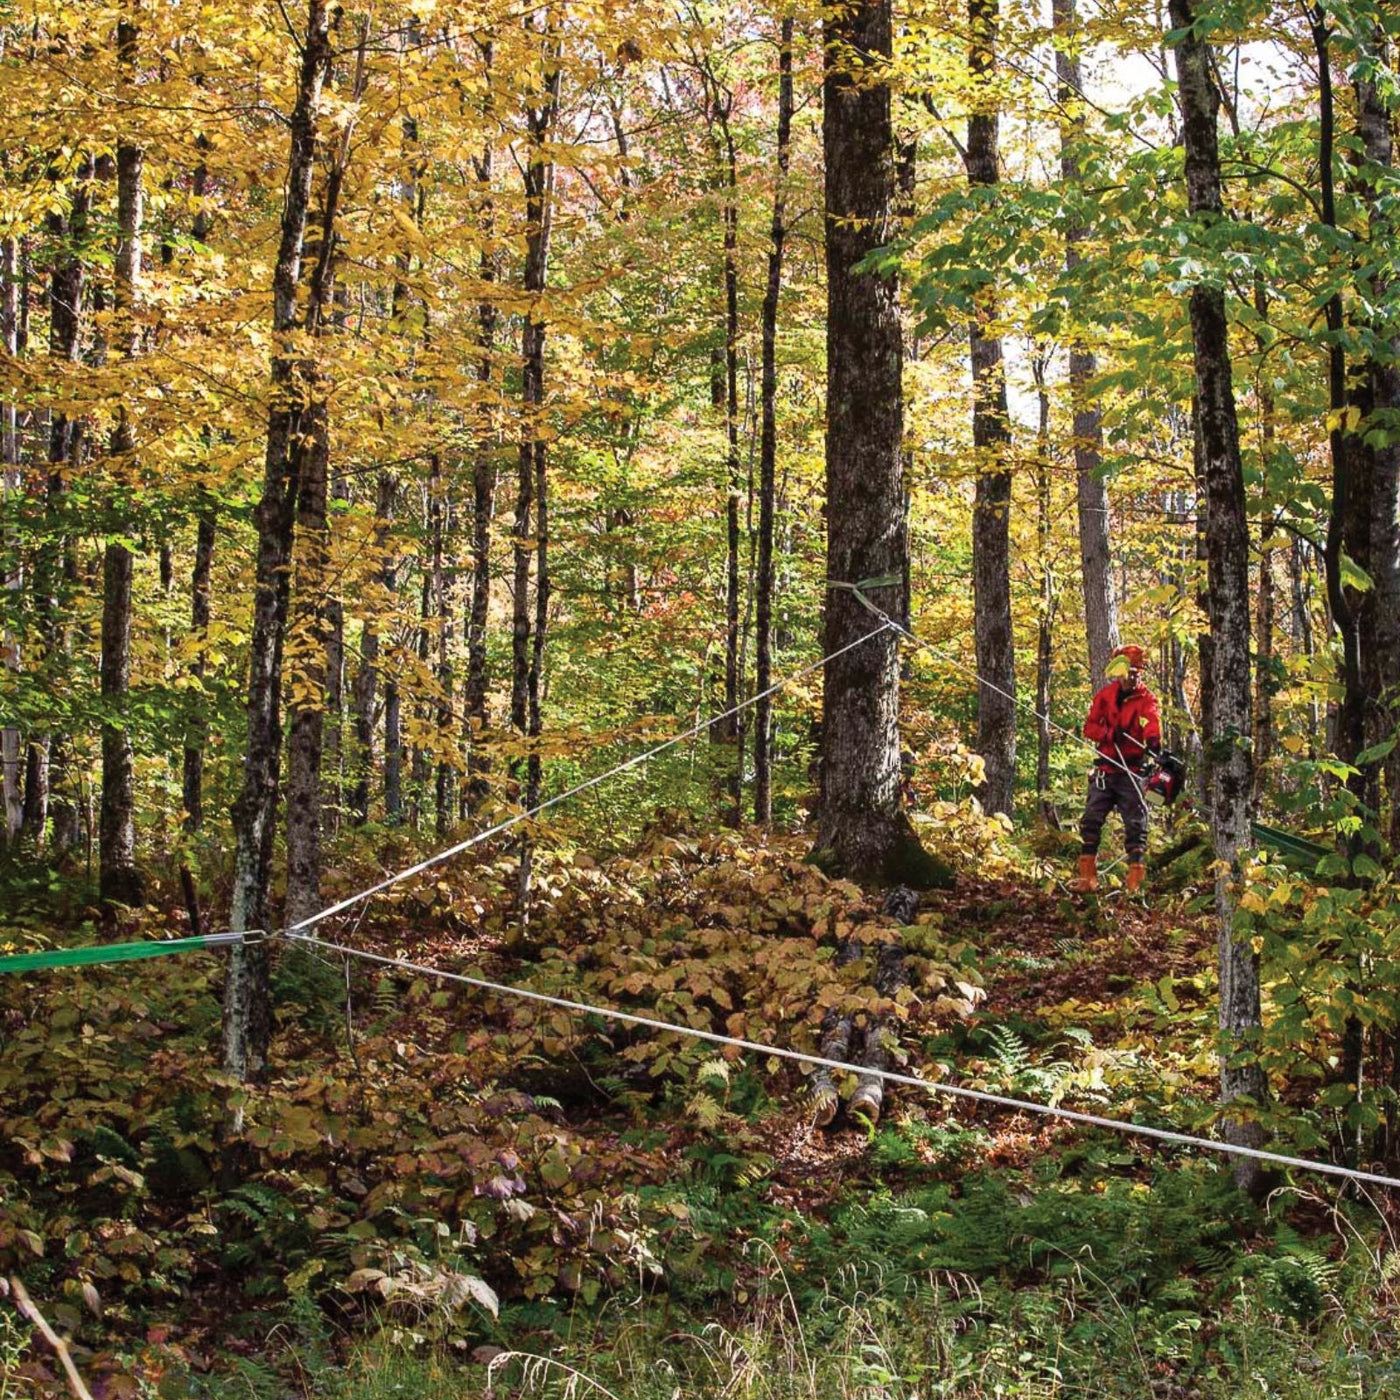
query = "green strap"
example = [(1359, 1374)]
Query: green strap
[(112, 952)]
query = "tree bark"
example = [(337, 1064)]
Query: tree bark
[(192, 784), (991, 439), (11, 763), (531, 506), (118, 878), (863, 831), (290, 438), (45, 758), (484, 474), (1095, 550), (1349, 520), (1377, 397), (307, 703), (1227, 543), (444, 794), (730, 730), (365, 684), (1045, 617), (768, 444)]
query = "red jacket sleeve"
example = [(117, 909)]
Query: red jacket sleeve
[(1097, 727)]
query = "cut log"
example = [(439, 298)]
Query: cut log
[(901, 904), (836, 1045), (869, 1097)]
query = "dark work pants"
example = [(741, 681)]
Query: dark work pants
[(1109, 789)]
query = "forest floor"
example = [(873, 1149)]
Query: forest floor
[(435, 1179)]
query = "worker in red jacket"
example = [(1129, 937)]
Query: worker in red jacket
[(1123, 722)]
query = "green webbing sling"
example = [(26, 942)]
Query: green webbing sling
[(113, 952)]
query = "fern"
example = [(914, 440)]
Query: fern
[(1010, 1055)]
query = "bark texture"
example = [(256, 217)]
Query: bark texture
[(1377, 396), (1349, 521), (991, 441), (192, 776), (863, 831), (484, 474), (12, 575), (1095, 550), (1227, 545), (247, 1020), (532, 505), (45, 759), (118, 878), (768, 444)]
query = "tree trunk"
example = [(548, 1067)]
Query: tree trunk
[(444, 794), (484, 474), (1264, 683), (1045, 618), (119, 880), (1304, 638), (729, 731), (197, 728), (531, 519), (12, 577), (768, 444), (306, 738), (863, 831), (247, 997), (46, 754), (991, 439), (192, 785), (1349, 520), (365, 684), (1095, 553), (307, 704), (1378, 398), (1227, 544)]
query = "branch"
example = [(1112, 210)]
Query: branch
[(25, 1304)]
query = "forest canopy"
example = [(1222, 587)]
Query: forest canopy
[(412, 412)]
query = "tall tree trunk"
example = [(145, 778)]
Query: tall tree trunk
[(1045, 617), (1205, 641), (291, 436), (364, 687), (768, 443), (991, 440), (1304, 638), (12, 575), (442, 515), (863, 831), (306, 736), (1349, 520), (192, 785), (484, 474), (734, 484), (1227, 543), (119, 880), (1377, 396), (531, 506), (197, 727), (307, 703), (1264, 684), (1095, 552), (45, 758)]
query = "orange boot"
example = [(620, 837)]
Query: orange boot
[(1137, 873), (1087, 881)]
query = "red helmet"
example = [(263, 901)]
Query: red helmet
[(1123, 661)]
